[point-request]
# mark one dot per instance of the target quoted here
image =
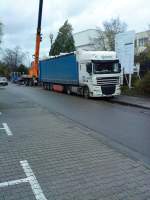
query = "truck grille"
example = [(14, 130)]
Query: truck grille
[(108, 81), (108, 89)]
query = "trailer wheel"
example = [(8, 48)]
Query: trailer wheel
[(30, 83), (51, 87), (86, 93), (44, 86), (26, 83), (68, 90)]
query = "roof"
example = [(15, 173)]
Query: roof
[(90, 29), (85, 37), (58, 56)]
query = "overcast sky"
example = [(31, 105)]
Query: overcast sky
[(20, 18)]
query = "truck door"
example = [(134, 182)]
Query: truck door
[(82, 73), (84, 76)]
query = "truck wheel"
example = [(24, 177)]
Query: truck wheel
[(51, 87), (68, 90), (86, 93), (30, 83), (44, 86), (26, 83)]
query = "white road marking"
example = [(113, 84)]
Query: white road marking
[(14, 182), (37, 191), (33, 181), (0, 113), (7, 129)]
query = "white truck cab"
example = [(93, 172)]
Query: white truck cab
[(99, 73)]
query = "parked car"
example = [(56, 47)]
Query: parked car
[(3, 81)]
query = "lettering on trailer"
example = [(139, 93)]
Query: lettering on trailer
[(30, 178)]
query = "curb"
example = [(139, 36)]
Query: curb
[(130, 104)]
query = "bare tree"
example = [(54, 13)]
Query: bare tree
[(14, 57), (99, 42), (8, 58), (1, 34), (1, 31), (106, 35)]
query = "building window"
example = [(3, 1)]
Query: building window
[(143, 42), (146, 40)]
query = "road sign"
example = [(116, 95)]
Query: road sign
[(124, 47)]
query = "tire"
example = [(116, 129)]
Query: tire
[(44, 86), (51, 87), (26, 83), (30, 83), (48, 87), (68, 90), (86, 93)]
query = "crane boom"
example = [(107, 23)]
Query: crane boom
[(34, 69)]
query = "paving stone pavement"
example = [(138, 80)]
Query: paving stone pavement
[(68, 163), (141, 102)]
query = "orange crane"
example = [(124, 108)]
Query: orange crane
[(32, 78)]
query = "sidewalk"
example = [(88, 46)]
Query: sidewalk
[(141, 102), (69, 163)]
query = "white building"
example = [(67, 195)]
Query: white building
[(141, 41), (86, 40)]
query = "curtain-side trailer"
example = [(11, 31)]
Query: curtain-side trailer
[(87, 73)]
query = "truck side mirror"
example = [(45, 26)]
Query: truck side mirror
[(89, 68)]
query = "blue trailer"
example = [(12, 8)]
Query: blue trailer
[(59, 70), (87, 73)]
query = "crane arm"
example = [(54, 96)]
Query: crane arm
[(34, 69)]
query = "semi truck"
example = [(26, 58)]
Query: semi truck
[(87, 73)]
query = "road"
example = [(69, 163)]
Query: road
[(123, 125), (47, 151)]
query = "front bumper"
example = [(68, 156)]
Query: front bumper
[(3, 83), (98, 91)]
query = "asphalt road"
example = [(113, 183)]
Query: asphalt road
[(44, 155), (125, 125)]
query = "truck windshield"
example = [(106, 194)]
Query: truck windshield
[(106, 67)]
